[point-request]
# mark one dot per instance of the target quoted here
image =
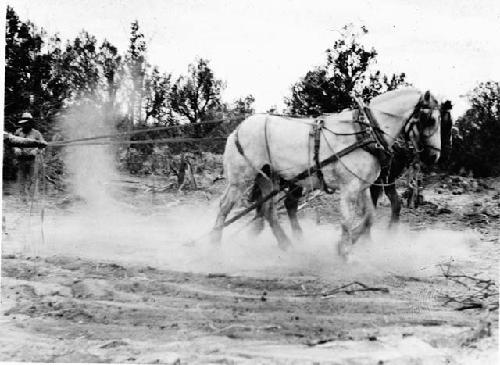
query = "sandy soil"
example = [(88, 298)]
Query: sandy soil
[(131, 285)]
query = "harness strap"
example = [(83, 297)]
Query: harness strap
[(380, 148), (317, 129), (377, 131), (238, 145), (333, 158), (267, 141), (242, 153), (304, 174)]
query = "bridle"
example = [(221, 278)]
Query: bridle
[(418, 123)]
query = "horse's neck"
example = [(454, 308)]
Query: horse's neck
[(391, 125), (392, 114)]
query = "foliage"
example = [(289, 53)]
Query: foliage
[(136, 71), (244, 105), (80, 68), (193, 96), (157, 103), (329, 88), (45, 75), (110, 63), (476, 136), (27, 70)]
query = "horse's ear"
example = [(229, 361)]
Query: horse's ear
[(447, 105), (427, 96)]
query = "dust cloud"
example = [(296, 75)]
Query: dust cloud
[(90, 167), (105, 228), (177, 240)]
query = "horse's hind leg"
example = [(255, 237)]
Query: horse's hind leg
[(255, 196), (375, 191), (231, 195), (269, 210), (291, 205)]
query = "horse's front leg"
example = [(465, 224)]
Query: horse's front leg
[(367, 213), (375, 191), (347, 209), (393, 196)]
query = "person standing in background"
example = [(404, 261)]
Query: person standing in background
[(26, 156)]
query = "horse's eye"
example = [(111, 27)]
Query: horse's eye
[(426, 119)]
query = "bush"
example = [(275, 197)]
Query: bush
[(476, 136)]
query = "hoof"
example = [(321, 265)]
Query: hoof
[(216, 237), (393, 224), (257, 227), (345, 257), (284, 242), (298, 234), (365, 239), (343, 252)]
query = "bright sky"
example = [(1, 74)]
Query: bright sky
[(262, 47)]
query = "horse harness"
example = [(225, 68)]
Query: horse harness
[(369, 137)]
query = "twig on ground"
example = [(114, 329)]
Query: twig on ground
[(347, 289), (482, 293), (312, 343)]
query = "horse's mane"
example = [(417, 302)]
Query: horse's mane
[(396, 101), (390, 95)]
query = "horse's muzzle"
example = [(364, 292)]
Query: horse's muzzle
[(430, 157)]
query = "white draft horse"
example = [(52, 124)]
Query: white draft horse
[(267, 148)]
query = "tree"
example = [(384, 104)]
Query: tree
[(79, 67), (329, 88), (244, 105), (157, 104), (193, 96), (378, 83), (476, 138), (312, 95), (23, 44), (110, 63), (136, 66)]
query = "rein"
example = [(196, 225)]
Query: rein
[(356, 175)]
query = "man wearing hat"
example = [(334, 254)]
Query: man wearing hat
[(26, 156)]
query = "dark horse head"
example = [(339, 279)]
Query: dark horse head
[(446, 125)]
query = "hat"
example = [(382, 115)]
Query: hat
[(26, 117)]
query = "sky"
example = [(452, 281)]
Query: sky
[(262, 47)]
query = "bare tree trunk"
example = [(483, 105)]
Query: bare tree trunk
[(131, 111)]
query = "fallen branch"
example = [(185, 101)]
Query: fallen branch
[(312, 343), (481, 293), (54, 182), (347, 289)]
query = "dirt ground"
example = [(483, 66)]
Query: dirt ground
[(80, 289)]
